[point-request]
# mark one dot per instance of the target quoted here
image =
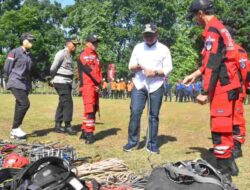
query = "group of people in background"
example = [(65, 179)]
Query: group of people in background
[(182, 92), (116, 89)]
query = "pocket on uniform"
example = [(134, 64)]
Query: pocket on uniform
[(221, 120)]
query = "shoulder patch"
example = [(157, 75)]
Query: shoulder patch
[(11, 56), (243, 63), (209, 43)]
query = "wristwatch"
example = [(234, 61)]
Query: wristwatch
[(156, 73)]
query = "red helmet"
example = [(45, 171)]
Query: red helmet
[(14, 160)]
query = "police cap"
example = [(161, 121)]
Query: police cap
[(73, 41), (27, 36), (199, 5), (150, 28)]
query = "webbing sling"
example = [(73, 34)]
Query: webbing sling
[(196, 177)]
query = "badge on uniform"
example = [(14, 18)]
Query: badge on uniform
[(220, 111), (243, 63), (209, 43)]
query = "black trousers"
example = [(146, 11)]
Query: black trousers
[(64, 109), (21, 107)]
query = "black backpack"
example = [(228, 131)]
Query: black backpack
[(188, 175), (48, 173)]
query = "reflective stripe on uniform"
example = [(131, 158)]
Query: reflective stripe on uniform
[(221, 149)]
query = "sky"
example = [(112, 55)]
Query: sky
[(65, 2)]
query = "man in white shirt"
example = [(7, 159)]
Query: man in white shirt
[(151, 62)]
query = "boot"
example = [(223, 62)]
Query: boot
[(223, 167), (227, 166), (234, 167), (237, 152), (58, 127), (83, 135), (69, 129), (89, 138)]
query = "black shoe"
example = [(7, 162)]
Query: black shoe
[(90, 139), (83, 135), (227, 166), (69, 129), (234, 167), (237, 152), (59, 128)]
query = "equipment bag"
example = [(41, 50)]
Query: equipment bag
[(188, 175), (48, 173)]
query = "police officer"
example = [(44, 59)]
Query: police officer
[(220, 87), (19, 69), (62, 70)]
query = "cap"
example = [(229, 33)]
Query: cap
[(93, 38), (27, 36), (73, 41), (150, 28), (198, 5)]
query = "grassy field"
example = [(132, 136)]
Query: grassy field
[(183, 132)]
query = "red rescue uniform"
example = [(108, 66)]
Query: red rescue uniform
[(91, 81), (239, 124), (221, 84)]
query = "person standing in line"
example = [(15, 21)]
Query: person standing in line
[(151, 61), (167, 90), (90, 69), (62, 71), (123, 88), (220, 82), (239, 122), (129, 88), (104, 88), (113, 89), (19, 69)]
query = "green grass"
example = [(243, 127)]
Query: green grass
[(184, 132)]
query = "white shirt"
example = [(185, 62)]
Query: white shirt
[(156, 57)]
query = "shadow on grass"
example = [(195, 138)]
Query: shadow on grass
[(42, 132), (204, 154), (103, 134), (98, 136), (162, 139)]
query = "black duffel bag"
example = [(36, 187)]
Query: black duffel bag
[(188, 175)]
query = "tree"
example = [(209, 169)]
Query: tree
[(42, 19)]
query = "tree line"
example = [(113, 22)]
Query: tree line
[(120, 24)]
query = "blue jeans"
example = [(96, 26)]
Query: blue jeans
[(138, 101)]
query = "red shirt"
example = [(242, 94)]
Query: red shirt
[(90, 57), (219, 65)]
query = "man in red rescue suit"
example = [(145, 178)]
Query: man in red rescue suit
[(221, 82), (90, 69), (239, 123)]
